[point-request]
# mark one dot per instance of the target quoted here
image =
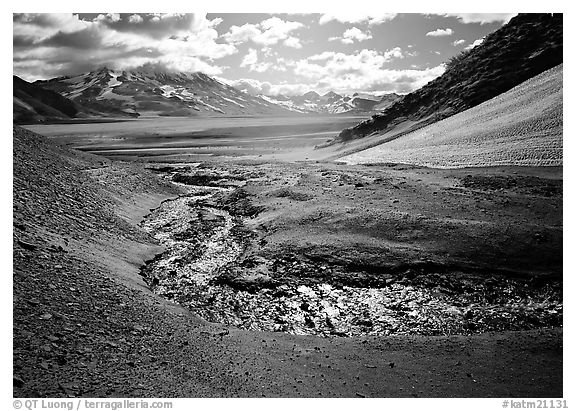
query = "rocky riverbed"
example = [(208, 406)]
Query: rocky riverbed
[(212, 266)]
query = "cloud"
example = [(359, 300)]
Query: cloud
[(49, 45), (474, 44), (355, 34), (293, 42), (135, 19), (268, 32), (440, 32), (381, 81), (250, 58), (364, 70), (482, 18), (111, 17), (351, 35), (458, 42), (357, 17), (257, 87), (250, 61)]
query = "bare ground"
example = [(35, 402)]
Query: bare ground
[(86, 324)]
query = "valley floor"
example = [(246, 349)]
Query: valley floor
[(87, 324)]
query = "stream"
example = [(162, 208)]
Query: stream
[(205, 244)]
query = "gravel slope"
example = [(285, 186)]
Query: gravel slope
[(84, 324), (520, 127)]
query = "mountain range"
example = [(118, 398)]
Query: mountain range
[(333, 103), (132, 93)]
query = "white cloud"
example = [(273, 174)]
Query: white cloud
[(357, 17), (440, 32), (250, 58), (112, 17), (241, 34), (293, 42), (355, 34), (363, 71), (250, 61), (135, 18), (474, 44), (267, 32), (458, 42), (482, 18), (215, 22), (378, 81), (396, 52), (256, 87)]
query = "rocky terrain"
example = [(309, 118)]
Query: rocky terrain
[(149, 93), (102, 252), (213, 265), (526, 46)]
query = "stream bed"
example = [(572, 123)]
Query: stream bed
[(206, 268)]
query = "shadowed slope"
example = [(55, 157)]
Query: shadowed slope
[(32, 103)]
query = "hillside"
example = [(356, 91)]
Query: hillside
[(32, 103), (147, 93), (528, 45), (522, 126)]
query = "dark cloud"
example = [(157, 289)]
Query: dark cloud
[(84, 39), (22, 41), (62, 44)]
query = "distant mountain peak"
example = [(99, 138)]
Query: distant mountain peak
[(331, 102), (331, 94), (311, 95)]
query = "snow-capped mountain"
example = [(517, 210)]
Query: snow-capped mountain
[(138, 93), (334, 103)]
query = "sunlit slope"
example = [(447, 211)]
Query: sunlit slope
[(520, 127)]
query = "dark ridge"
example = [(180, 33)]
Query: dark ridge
[(525, 47), (45, 104)]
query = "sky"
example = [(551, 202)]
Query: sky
[(269, 54)]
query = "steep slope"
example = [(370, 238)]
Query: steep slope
[(528, 45), (32, 103), (522, 126), (148, 93)]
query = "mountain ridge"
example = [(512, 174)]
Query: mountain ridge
[(334, 103), (33, 104), (134, 93), (523, 48)]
